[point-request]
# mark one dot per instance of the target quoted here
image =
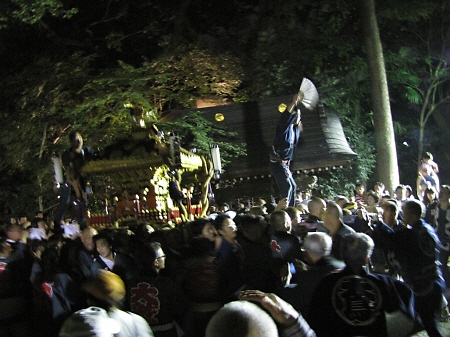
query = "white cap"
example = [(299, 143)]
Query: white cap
[(90, 322)]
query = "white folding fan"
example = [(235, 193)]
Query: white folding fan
[(310, 94)]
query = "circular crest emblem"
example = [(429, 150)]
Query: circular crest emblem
[(357, 300)]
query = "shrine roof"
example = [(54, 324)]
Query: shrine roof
[(323, 144)]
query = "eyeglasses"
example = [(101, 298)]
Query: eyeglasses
[(161, 257)]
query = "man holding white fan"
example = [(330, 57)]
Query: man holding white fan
[(287, 135)]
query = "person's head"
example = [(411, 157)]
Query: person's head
[(384, 198), (295, 215), (378, 187), (430, 195), (202, 228), (223, 207), (409, 191), (400, 192), (39, 223), (260, 202), (360, 188), (104, 244), (76, 141), (444, 194), (317, 245), (412, 211), (316, 207), (23, 219), (257, 210), (241, 319), (225, 227), (427, 157), (253, 226), (90, 322), (37, 247), (372, 198), (55, 241), (302, 208), (390, 212), (160, 257), (14, 232), (50, 264), (341, 200), (280, 221), (87, 238), (332, 215), (357, 249), (106, 288)]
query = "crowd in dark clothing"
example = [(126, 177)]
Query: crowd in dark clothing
[(178, 277)]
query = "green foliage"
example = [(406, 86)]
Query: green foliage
[(32, 12), (116, 62), (343, 180), (345, 95), (192, 72), (197, 134)]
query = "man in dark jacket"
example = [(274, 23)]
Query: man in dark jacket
[(287, 135), (354, 302), (415, 248), (72, 161), (316, 249)]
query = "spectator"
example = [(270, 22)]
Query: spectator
[(156, 298), (15, 287), (285, 246), (249, 320), (427, 175), (354, 302), (107, 291), (378, 188), (372, 203), (360, 198), (316, 251), (109, 259), (229, 257), (287, 135), (260, 270), (316, 207), (416, 252), (333, 226), (438, 215)]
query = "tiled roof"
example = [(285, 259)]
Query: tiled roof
[(322, 146)]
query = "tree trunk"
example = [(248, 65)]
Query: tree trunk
[(41, 151), (387, 164)]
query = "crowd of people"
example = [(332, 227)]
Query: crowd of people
[(351, 266)]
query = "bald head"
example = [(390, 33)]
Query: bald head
[(280, 221), (334, 210), (86, 237), (316, 206), (241, 318)]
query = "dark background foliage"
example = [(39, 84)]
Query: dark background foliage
[(94, 65)]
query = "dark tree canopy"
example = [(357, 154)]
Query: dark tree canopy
[(92, 65)]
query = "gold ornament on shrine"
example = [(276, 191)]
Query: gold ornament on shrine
[(219, 117), (282, 107)]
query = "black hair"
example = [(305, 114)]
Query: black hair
[(219, 220), (414, 207), (72, 135), (104, 235), (374, 196), (195, 227)]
